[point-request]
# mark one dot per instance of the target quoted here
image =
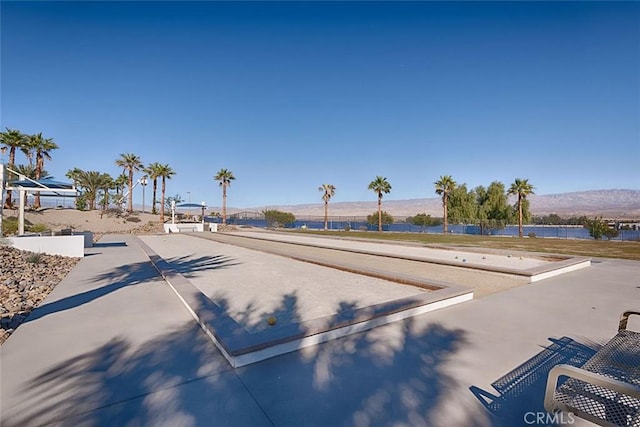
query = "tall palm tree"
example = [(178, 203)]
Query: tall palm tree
[(12, 139), (225, 177), (444, 186), (165, 172), (41, 146), (522, 189), (153, 170), (328, 192), (130, 162), (380, 185)]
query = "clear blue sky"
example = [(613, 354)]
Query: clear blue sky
[(296, 94)]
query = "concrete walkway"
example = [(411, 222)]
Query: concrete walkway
[(113, 345)]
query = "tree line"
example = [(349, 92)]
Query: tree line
[(487, 206)]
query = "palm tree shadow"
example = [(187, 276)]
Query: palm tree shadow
[(113, 384), (389, 375), (189, 266), (392, 375), (130, 275)]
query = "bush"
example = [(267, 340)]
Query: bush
[(133, 219), (35, 257), (38, 228), (386, 218), (10, 226), (598, 228), (276, 218), (532, 235), (423, 220)]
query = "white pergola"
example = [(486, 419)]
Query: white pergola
[(46, 188)]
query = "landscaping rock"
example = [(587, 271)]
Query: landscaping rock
[(25, 281)]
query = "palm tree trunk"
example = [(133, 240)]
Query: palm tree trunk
[(326, 215), (379, 213), (224, 203), (130, 196), (519, 216), (155, 192), (445, 224), (12, 159), (162, 204), (39, 168)]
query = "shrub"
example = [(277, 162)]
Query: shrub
[(597, 228), (35, 257), (276, 218), (532, 235), (38, 228), (386, 218), (10, 225)]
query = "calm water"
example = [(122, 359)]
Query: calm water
[(569, 232)]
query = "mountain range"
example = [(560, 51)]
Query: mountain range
[(615, 203)]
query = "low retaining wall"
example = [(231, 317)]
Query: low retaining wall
[(72, 246), (190, 227)]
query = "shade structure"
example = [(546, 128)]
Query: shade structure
[(188, 206), (43, 184), (46, 187)]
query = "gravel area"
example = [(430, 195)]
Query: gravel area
[(26, 278)]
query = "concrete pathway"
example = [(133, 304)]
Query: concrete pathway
[(112, 345)]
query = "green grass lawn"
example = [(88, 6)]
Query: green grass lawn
[(580, 247)]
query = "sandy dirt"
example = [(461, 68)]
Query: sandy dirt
[(58, 219)]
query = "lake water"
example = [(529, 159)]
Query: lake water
[(567, 232)]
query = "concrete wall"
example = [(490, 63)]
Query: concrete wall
[(72, 246), (190, 227)]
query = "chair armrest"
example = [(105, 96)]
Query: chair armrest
[(624, 319), (551, 405)]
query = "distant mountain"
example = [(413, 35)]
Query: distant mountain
[(608, 203)]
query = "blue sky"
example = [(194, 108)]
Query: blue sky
[(292, 95)]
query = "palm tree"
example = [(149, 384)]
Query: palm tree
[(165, 172), (41, 146), (444, 186), (225, 177), (328, 192), (120, 183), (153, 171), (90, 182), (12, 139), (380, 185), (522, 189), (106, 183), (130, 162)]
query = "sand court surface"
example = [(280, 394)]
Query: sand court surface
[(455, 256), (253, 285)]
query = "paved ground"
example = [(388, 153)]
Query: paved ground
[(112, 345)]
